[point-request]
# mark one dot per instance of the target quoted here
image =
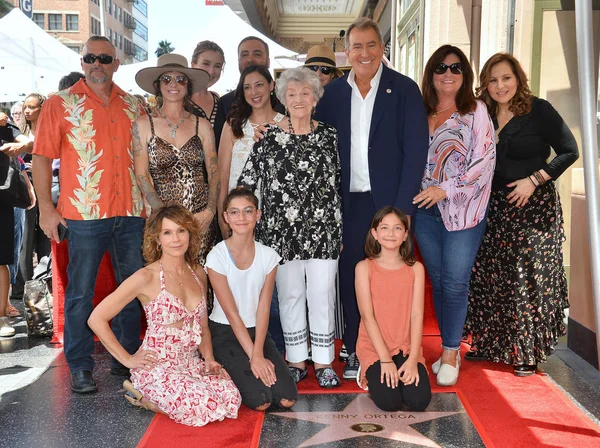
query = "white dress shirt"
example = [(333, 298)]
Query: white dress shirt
[(360, 125)]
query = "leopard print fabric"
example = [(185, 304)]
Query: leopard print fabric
[(178, 175)]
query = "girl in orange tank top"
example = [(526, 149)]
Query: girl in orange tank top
[(390, 293)]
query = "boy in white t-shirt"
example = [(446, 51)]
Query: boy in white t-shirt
[(242, 273)]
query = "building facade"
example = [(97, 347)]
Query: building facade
[(72, 22)]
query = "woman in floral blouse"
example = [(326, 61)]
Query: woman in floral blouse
[(298, 168)]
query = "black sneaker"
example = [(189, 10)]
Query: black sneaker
[(343, 356), (351, 368)]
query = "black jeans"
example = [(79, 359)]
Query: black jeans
[(230, 354), (415, 398)]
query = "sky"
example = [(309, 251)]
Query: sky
[(184, 23)]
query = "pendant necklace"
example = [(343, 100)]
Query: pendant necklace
[(176, 281), (172, 127), (440, 111)]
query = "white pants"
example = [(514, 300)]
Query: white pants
[(300, 281)]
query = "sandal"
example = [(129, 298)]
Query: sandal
[(132, 395), (327, 378), (11, 311), (298, 374)]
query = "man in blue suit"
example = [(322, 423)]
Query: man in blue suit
[(382, 141)]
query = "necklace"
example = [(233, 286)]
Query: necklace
[(435, 114), (172, 127), (180, 281), (291, 128)]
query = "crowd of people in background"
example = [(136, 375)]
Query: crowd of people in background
[(228, 220)]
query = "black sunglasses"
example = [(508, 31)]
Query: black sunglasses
[(181, 79), (455, 68), (324, 69), (104, 59)]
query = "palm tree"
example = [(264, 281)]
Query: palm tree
[(5, 8), (164, 47)]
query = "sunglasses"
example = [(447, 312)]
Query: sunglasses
[(104, 59), (181, 79), (324, 69), (442, 68)]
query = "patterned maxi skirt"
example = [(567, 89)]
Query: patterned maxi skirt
[(518, 290)]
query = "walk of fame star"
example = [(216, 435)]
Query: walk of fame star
[(362, 418), (354, 420)]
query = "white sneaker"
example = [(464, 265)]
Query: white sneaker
[(6, 329), (448, 375), (435, 367)]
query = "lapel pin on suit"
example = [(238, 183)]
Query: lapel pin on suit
[(388, 91)]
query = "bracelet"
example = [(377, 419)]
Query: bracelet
[(531, 180), (539, 177), (385, 362)]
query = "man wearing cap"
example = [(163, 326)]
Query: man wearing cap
[(382, 141), (88, 126)]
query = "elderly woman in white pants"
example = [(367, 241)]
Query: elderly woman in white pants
[(298, 168)]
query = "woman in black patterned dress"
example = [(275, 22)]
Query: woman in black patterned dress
[(298, 169), (518, 290)]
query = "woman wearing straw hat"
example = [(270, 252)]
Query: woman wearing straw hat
[(171, 146), (321, 59)]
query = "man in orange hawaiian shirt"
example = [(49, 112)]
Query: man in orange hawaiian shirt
[(88, 126)]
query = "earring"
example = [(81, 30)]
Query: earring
[(159, 247), (287, 112), (314, 110)]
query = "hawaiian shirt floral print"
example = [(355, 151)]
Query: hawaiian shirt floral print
[(299, 178), (93, 143)]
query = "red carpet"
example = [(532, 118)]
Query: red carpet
[(507, 412)]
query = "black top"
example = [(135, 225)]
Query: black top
[(8, 134), (216, 119), (524, 144)]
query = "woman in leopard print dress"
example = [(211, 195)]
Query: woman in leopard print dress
[(172, 147)]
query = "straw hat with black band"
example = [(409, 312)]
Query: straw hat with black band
[(171, 62), (324, 56)]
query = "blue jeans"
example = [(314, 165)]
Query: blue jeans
[(88, 240), (19, 223), (449, 258)]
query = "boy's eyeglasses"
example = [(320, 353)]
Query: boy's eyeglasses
[(455, 68), (104, 59), (181, 79), (326, 70), (236, 212)]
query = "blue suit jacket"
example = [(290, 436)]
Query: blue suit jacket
[(398, 138)]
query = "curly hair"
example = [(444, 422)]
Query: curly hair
[(465, 98), (373, 248), (240, 109), (180, 215), (24, 124), (301, 75), (520, 104)]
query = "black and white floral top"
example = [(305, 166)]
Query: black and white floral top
[(300, 188)]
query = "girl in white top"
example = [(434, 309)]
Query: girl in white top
[(242, 273), (253, 105)]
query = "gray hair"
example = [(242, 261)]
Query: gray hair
[(14, 107), (301, 75), (363, 23)]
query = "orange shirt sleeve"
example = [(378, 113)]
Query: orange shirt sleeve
[(48, 137)]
